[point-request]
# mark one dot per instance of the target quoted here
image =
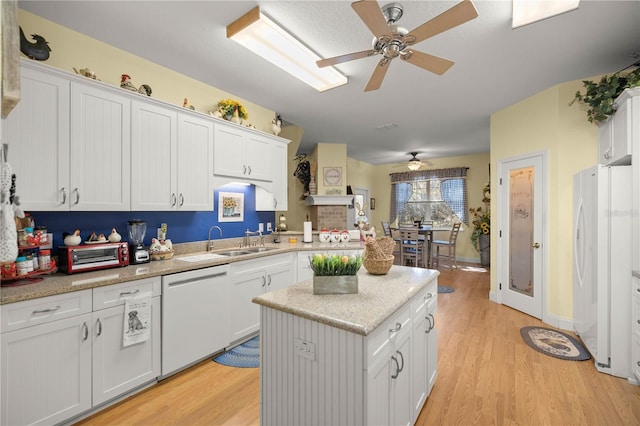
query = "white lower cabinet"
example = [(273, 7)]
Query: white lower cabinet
[(251, 278), (389, 373), (46, 368), (117, 368), (635, 328), (60, 359), (425, 347)]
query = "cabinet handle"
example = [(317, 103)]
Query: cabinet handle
[(432, 322), (64, 195), (249, 168), (264, 281), (244, 170), (639, 321), (275, 202), (637, 290), (181, 200), (85, 331), (99, 327), (268, 280), (395, 376), (401, 358), (398, 327), (430, 327), (638, 363), (77, 191), (129, 293), (428, 296), (173, 199), (44, 311)]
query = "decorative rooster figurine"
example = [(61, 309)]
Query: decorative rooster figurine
[(39, 50)]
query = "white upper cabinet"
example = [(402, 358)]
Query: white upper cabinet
[(69, 143), (172, 159), (154, 131), (277, 199), (100, 165), (195, 162), (37, 131), (619, 133), (239, 153)]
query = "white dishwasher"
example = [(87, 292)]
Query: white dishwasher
[(195, 316)]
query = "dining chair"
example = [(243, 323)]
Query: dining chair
[(448, 248), (412, 248), (386, 227)]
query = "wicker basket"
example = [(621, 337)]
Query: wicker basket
[(378, 266), (387, 245), (161, 255)]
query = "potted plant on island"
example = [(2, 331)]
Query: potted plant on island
[(600, 97), (334, 273)]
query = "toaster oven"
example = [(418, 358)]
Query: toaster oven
[(72, 259)]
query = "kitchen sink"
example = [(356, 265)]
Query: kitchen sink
[(259, 249), (232, 253)]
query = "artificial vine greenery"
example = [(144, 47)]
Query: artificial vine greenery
[(599, 97)]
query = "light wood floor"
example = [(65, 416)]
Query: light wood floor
[(486, 376)]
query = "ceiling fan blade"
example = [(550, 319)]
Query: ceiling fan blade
[(371, 14), (378, 75), (458, 14), (345, 58), (428, 62)]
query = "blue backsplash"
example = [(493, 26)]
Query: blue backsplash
[(182, 226)]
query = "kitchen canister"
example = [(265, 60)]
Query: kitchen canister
[(44, 261)]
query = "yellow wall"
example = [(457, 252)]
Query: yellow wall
[(545, 122), (331, 155), (72, 49)]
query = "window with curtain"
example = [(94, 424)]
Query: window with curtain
[(449, 184)]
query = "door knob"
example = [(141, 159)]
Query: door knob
[(535, 245)]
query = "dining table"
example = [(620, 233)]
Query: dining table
[(427, 231)]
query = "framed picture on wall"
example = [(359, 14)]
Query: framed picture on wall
[(332, 176), (230, 207)]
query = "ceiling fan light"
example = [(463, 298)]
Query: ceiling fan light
[(414, 164), (265, 38)]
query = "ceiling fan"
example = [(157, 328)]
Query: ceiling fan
[(415, 163), (392, 41)]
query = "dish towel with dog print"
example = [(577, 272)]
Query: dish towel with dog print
[(137, 320)]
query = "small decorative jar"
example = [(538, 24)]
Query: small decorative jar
[(335, 236), (345, 237), (324, 236)]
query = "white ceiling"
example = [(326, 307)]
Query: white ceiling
[(438, 116)]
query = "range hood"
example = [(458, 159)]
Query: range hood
[(329, 200)]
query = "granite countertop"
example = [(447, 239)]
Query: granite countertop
[(59, 282), (378, 297)]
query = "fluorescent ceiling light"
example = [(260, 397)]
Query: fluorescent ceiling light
[(529, 11), (265, 38)]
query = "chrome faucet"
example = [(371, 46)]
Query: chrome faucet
[(209, 241), (247, 237)]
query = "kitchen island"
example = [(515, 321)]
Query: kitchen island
[(365, 358)]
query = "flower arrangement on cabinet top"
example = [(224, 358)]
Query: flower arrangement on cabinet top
[(228, 106), (481, 218)]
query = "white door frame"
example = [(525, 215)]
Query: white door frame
[(540, 235)]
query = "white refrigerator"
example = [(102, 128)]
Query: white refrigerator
[(602, 265)]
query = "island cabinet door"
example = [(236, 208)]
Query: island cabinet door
[(378, 387)]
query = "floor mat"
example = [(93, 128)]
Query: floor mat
[(554, 343), (246, 355)]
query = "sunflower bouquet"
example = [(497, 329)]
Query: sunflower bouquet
[(481, 222), (228, 106)]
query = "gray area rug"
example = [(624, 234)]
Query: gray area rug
[(554, 343)]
